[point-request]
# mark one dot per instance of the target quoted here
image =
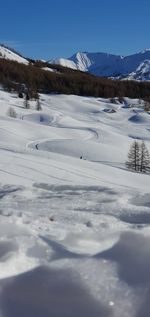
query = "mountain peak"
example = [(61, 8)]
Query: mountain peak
[(145, 50), (111, 65)]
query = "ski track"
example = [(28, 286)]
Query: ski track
[(73, 227)]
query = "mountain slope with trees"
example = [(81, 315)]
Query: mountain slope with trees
[(66, 81)]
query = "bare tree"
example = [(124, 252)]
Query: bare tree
[(133, 161), (146, 106), (38, 104), (11, 112), (26, 103)]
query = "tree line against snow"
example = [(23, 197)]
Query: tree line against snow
[(66, 81)]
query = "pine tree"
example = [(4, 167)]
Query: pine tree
[(144, 158), (133, 161)]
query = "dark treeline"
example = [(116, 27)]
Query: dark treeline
[(67, 81)]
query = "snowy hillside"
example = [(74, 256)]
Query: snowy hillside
[(135, 66), (11, 55), (74, 233)]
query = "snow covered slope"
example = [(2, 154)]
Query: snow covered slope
[(11, 55), (135, 66), (74, 233)]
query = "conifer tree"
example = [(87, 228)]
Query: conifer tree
[(133, 161), (144, 158), (138, 157)]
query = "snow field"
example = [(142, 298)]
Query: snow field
[(78, 226)]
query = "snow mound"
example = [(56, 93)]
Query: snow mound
[(40, 118), (140, 118)]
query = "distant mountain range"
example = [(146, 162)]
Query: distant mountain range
[(136, 66), (132, 67)]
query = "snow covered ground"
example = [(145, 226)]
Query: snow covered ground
[(74, 233)]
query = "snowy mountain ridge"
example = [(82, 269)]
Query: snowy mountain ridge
[(133, 67), (136, 66), (10, 54)]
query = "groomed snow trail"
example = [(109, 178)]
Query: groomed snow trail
[(74, 233)]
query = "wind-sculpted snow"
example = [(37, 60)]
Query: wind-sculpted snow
[(131, 251), (38, 118), (49, 292), (77, 229), (74, 222), (141, 119)]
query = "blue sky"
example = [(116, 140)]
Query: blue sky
[(59, 28)]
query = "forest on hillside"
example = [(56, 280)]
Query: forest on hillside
[(67, 81)]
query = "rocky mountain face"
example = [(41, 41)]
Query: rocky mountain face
[(136, 66)]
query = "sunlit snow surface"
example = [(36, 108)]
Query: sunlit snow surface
[(9, 54), (74, 233)]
